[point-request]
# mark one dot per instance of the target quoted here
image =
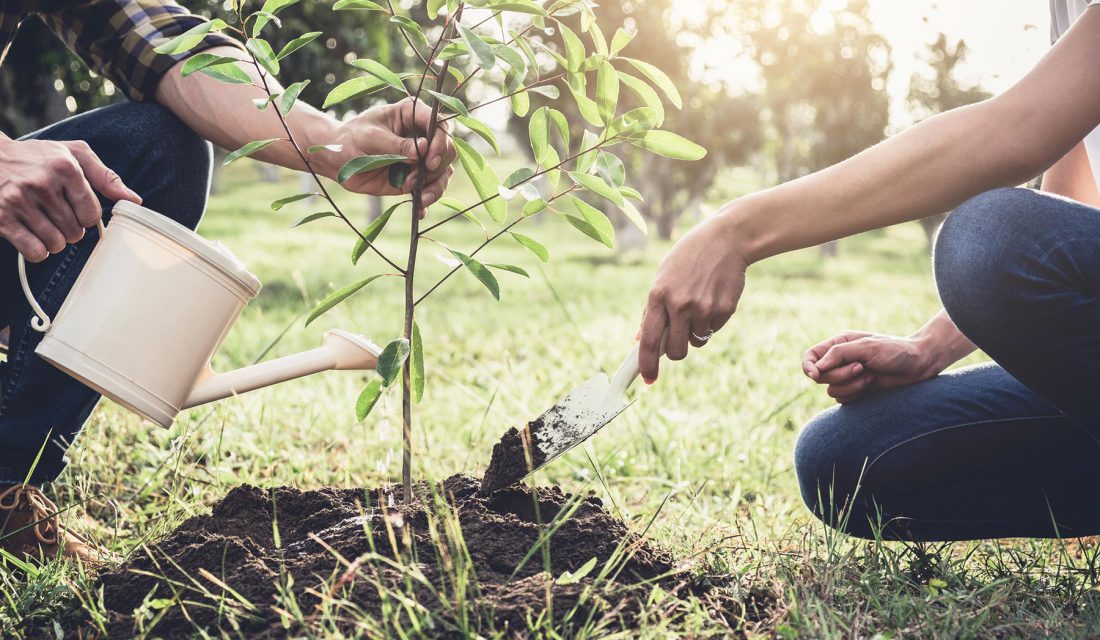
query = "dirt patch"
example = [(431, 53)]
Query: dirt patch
[(343, 553), (513, 458)]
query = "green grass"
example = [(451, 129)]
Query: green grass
[(706, 454)]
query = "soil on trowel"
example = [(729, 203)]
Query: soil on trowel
[(343, 553), (516, 455)]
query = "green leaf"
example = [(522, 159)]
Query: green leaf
[(351, 89), (372, 231), (358, 165), (633, 122), (539, 130), (267, 12), (560, 121), (573, 577), (227, 72), (335, 148), (668, 144), (453, 103), (481, 49), (588, 145), (482, 130), (632, 214), (262, 104), (416, 370), (434, 6), (607, 91), (574, 48), (631, 193), (451, 51), (368, 398), (592, 222), (391, 359), (480, 272), (486, 182), (338, 296), (645, 93), (249, 149), (658, 77), (297, 43), (597, 186), (549, 90), (534, 206), (365, 5), (509, 267), (587, 107), (282, 202), (535, 246), (517, 6), (620, 40), (411, 28), (191, 38), (200, 61), (290, 96), (611, 169), (519, 175), (311, 217), (264, 54), (521, 102), (379, 71)]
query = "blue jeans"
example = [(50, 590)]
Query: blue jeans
[(166, 163), (1010, 449)]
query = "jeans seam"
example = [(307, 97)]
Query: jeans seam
[(18, 363), (963, 425)]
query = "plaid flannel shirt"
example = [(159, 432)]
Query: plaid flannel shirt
[(115, 38)]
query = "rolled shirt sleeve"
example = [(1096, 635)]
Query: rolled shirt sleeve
[(117, 38)]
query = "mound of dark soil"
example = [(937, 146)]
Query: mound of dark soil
[(343, 553)]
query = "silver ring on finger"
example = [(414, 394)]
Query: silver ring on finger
[(703, 338)]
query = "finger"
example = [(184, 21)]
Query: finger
[(416, 116), (852, 389), (54, 205), (26, 242), (699, 327), (842, 375), (43, 228), (679, 326), (843, 353), (99, 175), (649, 342), (442, 152), (83, 202)]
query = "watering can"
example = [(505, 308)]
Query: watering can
[(152, 305)]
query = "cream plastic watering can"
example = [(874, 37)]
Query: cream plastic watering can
[(151, 307)]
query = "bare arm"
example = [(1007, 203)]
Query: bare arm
[(225, 114), (1072, 177), (932, 167)]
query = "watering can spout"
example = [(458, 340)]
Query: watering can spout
[(341, 350)]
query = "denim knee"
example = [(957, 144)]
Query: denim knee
[(982, 256), (827, 469)]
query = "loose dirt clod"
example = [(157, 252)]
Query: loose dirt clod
[(343, 553), (513, 458)]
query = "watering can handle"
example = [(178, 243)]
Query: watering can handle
[(41, 322)]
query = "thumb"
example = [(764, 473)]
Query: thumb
[(842, 354), (102, 178)]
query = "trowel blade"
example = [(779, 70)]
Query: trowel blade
[(571, 421)]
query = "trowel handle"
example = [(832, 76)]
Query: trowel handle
[(628, 371), (42, 322)]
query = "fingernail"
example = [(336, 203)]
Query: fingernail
[(135, 195), (434, 163), (648, 381), (427, 199)]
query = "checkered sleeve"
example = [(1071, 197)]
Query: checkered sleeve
[(117, 38)]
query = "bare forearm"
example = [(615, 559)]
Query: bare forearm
[(225, 114), (938, 164), (1072, 177), (942, 342)]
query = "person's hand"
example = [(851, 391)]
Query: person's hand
[(48, 194), (694, 293), (855, 363), (397, 129)]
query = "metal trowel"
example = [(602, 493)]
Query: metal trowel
[(563, 426)]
